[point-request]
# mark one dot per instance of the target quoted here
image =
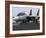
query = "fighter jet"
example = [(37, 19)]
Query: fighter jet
[(23, 17)]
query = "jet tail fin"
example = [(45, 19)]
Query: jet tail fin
[(30, 12), (38, 13)]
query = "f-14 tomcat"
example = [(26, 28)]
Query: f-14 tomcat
[(23, 17)]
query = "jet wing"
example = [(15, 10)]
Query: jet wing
[(33, 18), (36, 17)]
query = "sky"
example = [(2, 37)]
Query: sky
[(16, 10)]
